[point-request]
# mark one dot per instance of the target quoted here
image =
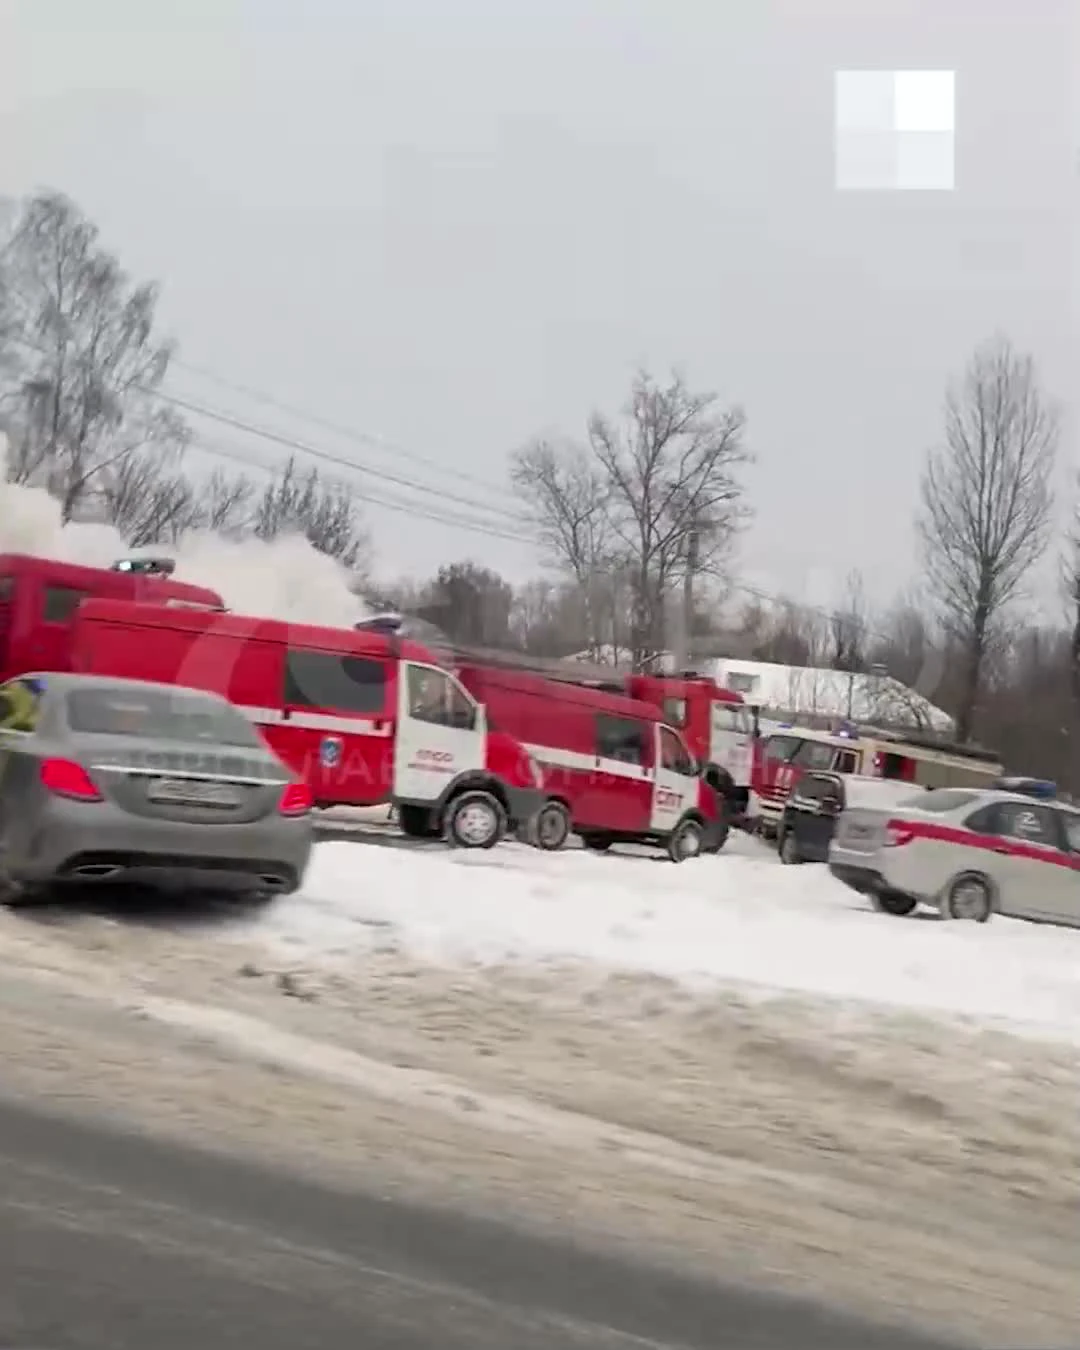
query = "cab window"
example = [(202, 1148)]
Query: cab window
[(675, 711), (348, 684), (20, 705), (620, 738), (436, 698), (781, 748), (814, 755), (732, 717), (847, 761), (60, 603), (673, 754)]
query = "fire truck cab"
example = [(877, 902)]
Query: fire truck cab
[(613, 770), (363, 716), (787, 752), (39, 598), (719, 728)]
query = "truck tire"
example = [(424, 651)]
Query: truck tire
[(551, 828), (788, 847), (475, 819), (686, 840), (597, 843)]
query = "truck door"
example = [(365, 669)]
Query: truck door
[(675, 784), (440, 733)]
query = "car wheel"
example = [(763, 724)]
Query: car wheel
[(475, 820), (969, 898), (23, 895), (596, 843), (551, 829), (686, 841), (892, 902), (789, 848)]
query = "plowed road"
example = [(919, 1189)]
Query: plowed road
[(115, 1242)]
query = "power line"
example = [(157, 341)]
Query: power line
[(302, 447), (454, 519), (338, 428)]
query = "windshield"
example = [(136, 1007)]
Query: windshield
[(732, 717), (158, 714)]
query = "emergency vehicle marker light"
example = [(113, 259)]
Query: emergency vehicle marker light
[(65, 778), (296, 800)]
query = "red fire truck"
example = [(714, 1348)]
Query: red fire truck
[(39, 598), (787, 752), (363, 717), (613, 770)]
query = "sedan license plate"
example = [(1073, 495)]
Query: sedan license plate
[(185, 792)]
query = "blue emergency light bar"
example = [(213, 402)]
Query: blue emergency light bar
[(1041, 788)]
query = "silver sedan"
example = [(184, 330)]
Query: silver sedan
[(107, 780)]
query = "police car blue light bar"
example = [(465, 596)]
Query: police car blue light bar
[(1041, 788)]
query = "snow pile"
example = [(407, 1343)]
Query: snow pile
[(737, 919), (283, 579)]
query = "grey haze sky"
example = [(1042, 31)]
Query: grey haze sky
[(458, 224)]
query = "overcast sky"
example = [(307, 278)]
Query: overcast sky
[(457, 224)]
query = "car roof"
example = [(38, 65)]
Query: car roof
[(986, 796), (67, 681)]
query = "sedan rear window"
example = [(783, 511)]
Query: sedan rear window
[(158, 714)]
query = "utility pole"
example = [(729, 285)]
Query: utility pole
[(686, 614)]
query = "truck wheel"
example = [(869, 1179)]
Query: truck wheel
[(686, 841), (789, 848), (596, 843), (551, 829), (969, 898), (417, 822), (717, 837), (474, 820), (892, 902)]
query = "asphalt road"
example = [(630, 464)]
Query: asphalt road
[(112, 1241)]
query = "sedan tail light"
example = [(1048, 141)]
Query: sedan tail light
[(296, 800), (65, 778), (898, 833)]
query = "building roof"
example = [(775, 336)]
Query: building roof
[(819, 692)]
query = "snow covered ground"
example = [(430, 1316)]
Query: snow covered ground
[(739, 919)]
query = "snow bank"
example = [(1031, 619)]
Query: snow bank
[(283, 579), (736, 919)]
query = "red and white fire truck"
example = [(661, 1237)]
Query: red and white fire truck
[(363, 717), (613, 770), (784, 753), (719, 727)]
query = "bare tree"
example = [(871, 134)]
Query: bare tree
[(325, 511), (80, 398), (985, 504), (146, 499), (848, 626), (655, 493), (570, 497), (224, 503)]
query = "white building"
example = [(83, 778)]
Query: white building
[(790, 692)]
